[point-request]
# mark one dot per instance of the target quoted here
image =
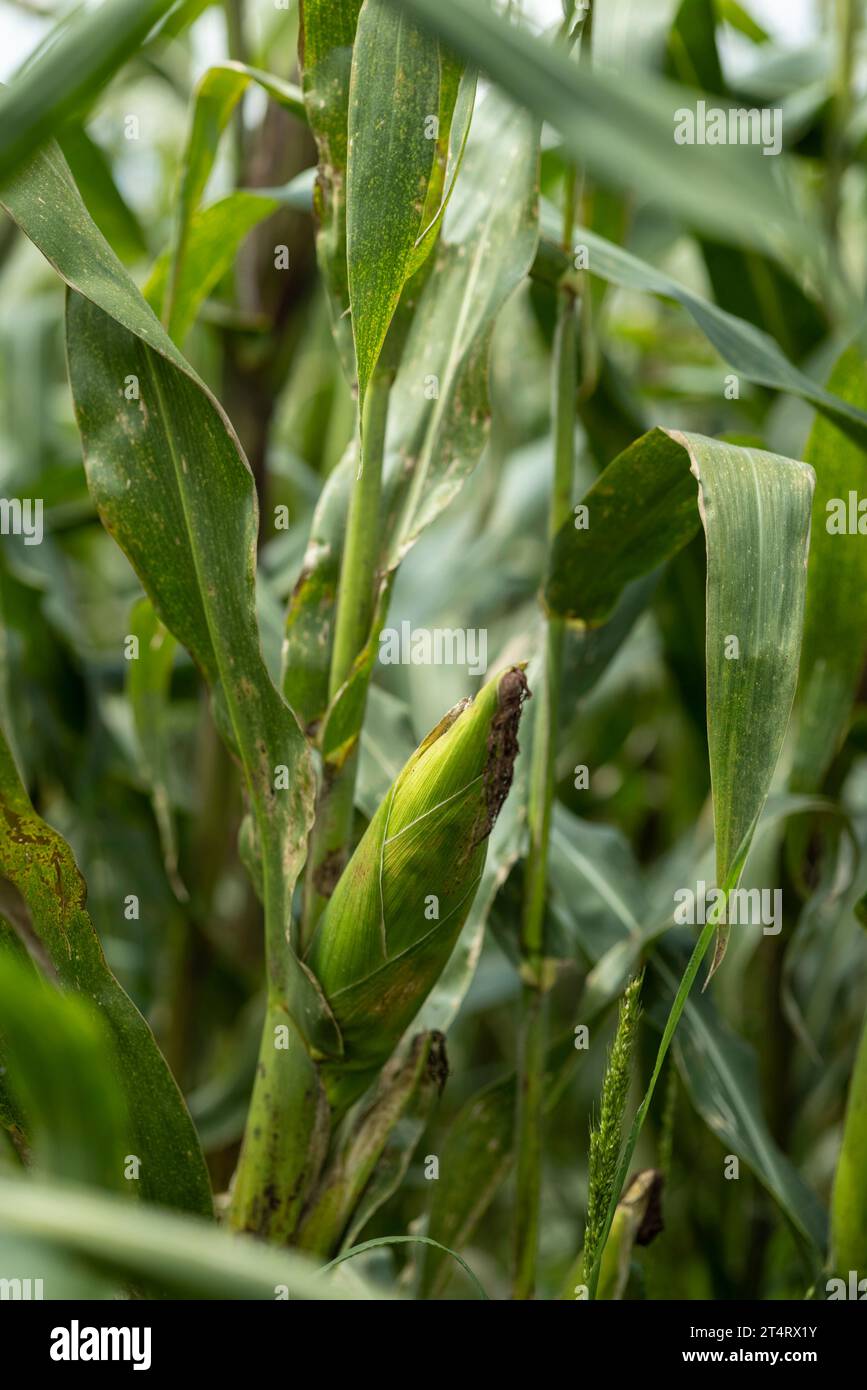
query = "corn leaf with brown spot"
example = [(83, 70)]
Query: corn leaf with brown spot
[(38, 862), (173, 487)]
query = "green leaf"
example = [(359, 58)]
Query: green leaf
[(849, 1200), (748, 284), (394, 94), (91, 169), (408, 1240), (406, 1091), (475, 1160), (325, 53), (387, 742), (286, 1136), (607, 903), (733, 13), (643, 1191), (600, 898), (39, 863), (751, 504), (213, 237), (751, 352), (755, 510), (457, 100), (149, 678), (219, 1106), (720, 1072), (692, 51), (624, 133), (309, 631), (217, 94), (589, 652), (173, 487), (821, 951), (75, 1119), (755, 289), (191, 1258), (13, 1123), (835, 617), (599, 907), (61, 1273), (68, 75), (596, 879), (396, 1157), (488, 243)]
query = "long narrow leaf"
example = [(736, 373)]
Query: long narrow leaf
[(835, 618), (325, 51), (623, 133), (394, 95), (720, 1072), (70, 73), (148, 681), (749, 350), (41, 866), (191, 1258), (849, 1205), (75, 1116), (174, 489), (216, 96), (211, 244), (755, 509), (439, 407)]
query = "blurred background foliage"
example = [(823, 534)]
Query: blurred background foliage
[(784, 1019)]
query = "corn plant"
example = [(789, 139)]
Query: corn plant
[(432, 597)]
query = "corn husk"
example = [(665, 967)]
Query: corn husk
[(400, 904)]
